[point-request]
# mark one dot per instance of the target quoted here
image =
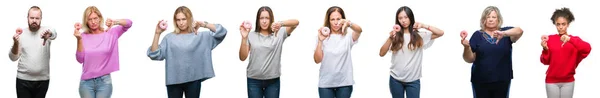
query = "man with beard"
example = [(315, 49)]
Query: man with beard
[(32, 48)]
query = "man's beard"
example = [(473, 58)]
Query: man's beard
[(34, 27)]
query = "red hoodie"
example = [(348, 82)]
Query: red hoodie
[(563, 60)]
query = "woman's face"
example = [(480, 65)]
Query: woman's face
[(181, 21), (264, 20), (561, 24), (403, 19), (334, 19), (93, 21), (491, 20)]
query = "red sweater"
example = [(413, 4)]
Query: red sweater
[(563, 60)]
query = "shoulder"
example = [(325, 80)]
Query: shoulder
[(477, 33), (170, 34)]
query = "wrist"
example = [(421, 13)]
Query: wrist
[(116, 22), (349, 24), (205, 24)]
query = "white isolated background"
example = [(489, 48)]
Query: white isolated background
[(445, 74)]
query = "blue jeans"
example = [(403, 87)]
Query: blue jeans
[(498, 89), (99, 87), (412, 89), (263, 88), (191, 89), (336, 92)]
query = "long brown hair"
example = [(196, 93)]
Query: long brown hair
[(328, 14), (415, 39), (257, 28)]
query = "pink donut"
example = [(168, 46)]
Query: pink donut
[(247, 25), (396, 27), (77, 25), (325, 31), (163, 24), (19, 31)]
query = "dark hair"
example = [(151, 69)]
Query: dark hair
[(328, 14), (562, 12), (263, 8), (34, 7), (415, 39)]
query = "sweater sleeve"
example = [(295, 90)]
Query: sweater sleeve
[(218, 35), (545, 57), (122, 29), (583, 48), (53, 34), (80, 56), (13, 57), (160, 53)]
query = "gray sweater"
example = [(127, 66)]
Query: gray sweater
[(188, 56), (33, 57)]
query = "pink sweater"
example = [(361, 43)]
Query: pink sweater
[(100, 55)]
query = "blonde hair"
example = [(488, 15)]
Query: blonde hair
[(188, 15), (488, 10), (88, 11)]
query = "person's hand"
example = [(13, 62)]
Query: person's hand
[(46, 35), (419, 25), (245, 28), (76, 32), (17, 35), (499, 35), (109, 23), (345, 24), (276, 26), (161, 27), (323, 34), (545, 42), (464, 41), (565, 38), (198, 24)]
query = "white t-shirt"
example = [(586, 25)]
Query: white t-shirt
[(336, 66), (406, 63)]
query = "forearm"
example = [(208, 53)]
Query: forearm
[(545, 57), (79, 45), (468, 55), (155, 42), (516, 31), (290, 23), (244, 49), (15, 49), (356, 28), (14, 53), (211, 27), (318, 55), (53, 34), (123, 22), (436, 32), (385, 48)]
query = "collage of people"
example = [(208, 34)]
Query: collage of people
[(298, 49)]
